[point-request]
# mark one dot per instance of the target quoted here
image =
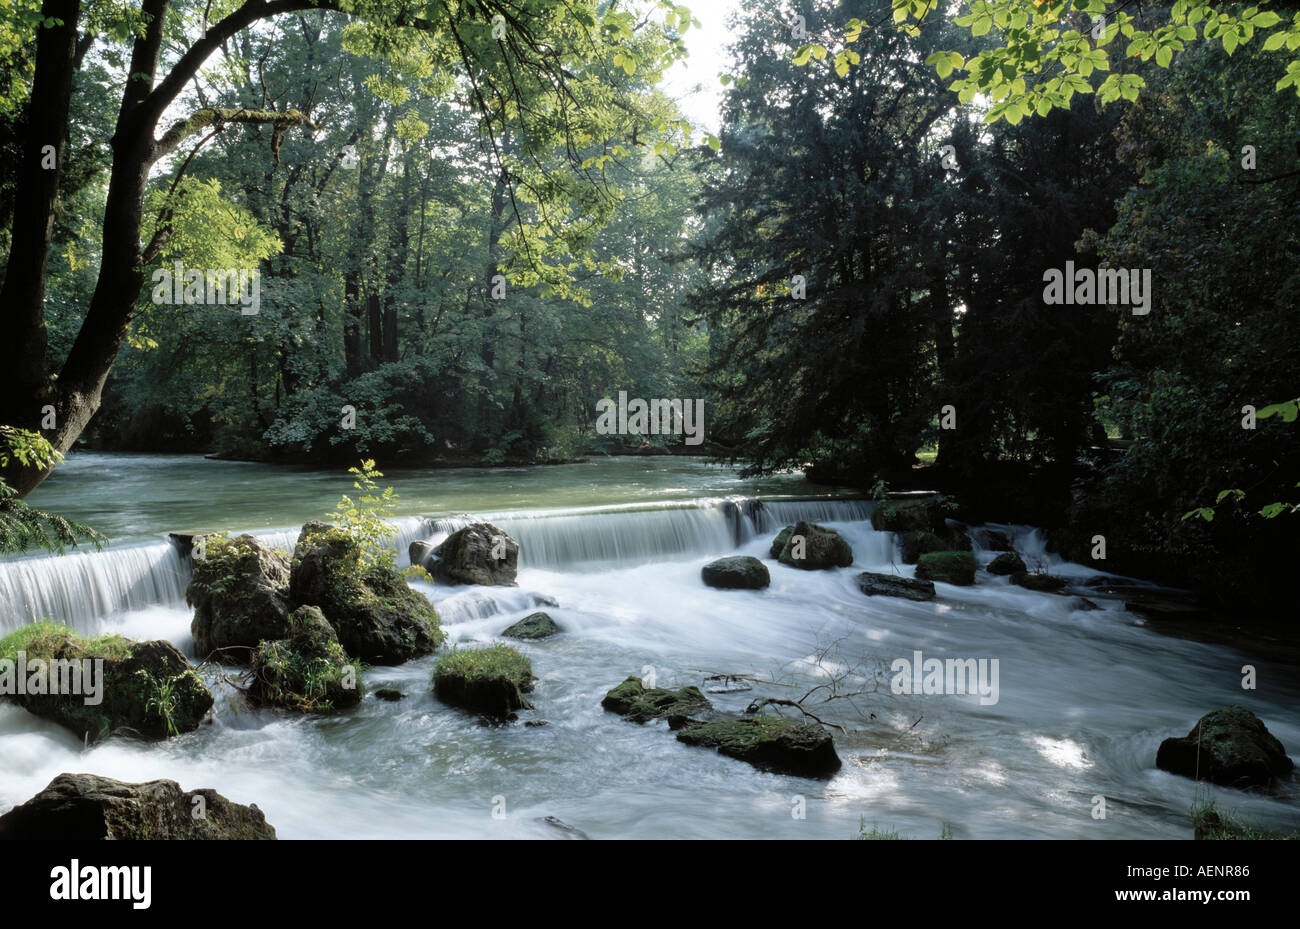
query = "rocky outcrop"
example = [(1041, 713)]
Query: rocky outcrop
[(948, 567), (490, 680), (83, 807), (109, 685), (738, 572), (378, 618), (633, 700), (815, 548), (537, 625), (240, 594), (1043, 583), (308, 671), (1007, 563), (480, 553), (772, 743), (891, 585), (1231, 747)]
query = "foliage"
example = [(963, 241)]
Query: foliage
[(1047, 51), (23, 527), (47, 638), (368, 520)]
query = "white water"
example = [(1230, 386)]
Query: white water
[(1085, 698)]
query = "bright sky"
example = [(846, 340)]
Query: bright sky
[(708, 44)]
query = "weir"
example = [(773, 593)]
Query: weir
[(85, 589)]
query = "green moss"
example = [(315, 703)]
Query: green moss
[(948, 567), (638, 703), (46, 639), (490, 680), (770, 742)]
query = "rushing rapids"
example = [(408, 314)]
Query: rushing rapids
[(1085, 694)]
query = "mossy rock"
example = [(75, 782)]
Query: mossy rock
[(948, 567), (772, 743), (389, 694), (491, 680), (905, 516), (633, 700), (87, 807), (147, 689), (379, 619), (1043, 583), (1006, 563), (736, 572), (307, 672), (997, 541), (778, 543), (537, 625), (1231, 747), (891, 585), (240, 594), (811, 547), (912, 545), (479, 553)]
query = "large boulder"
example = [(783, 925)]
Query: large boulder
[(84, 807), (480, 553), (105, 686), (377, 616), (537, 625), (772, 743), (907, 516), (778, 543), (1231, 747), (1007, 563), (1035, 580), (491, 680), (949, 567), (815, 548), (737, 572), (633, 700), (891, 585), (240, 594), (308, 671)]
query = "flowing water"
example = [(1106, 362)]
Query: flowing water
[(1085, 696)]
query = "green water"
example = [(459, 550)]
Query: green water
[(138, 498)]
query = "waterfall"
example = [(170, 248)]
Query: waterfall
[(85, 588), (638, 533)]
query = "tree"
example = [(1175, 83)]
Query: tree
[(542, 67)]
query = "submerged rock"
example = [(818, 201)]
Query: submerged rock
[(308, 671), (377, 616), (84, 807), (1043, 583), (891, 585), (814, 548), (480, 553), (1231, 747), (533, 626), (240, 594), (564, 829), (1007, 563), (490, 680), (147, 689), (949, 567), (737, 572), (633, 700), (389, 694), (769, 742)]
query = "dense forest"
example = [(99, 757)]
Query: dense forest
[(464, 231)]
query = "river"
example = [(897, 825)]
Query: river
[(1085, 696)]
